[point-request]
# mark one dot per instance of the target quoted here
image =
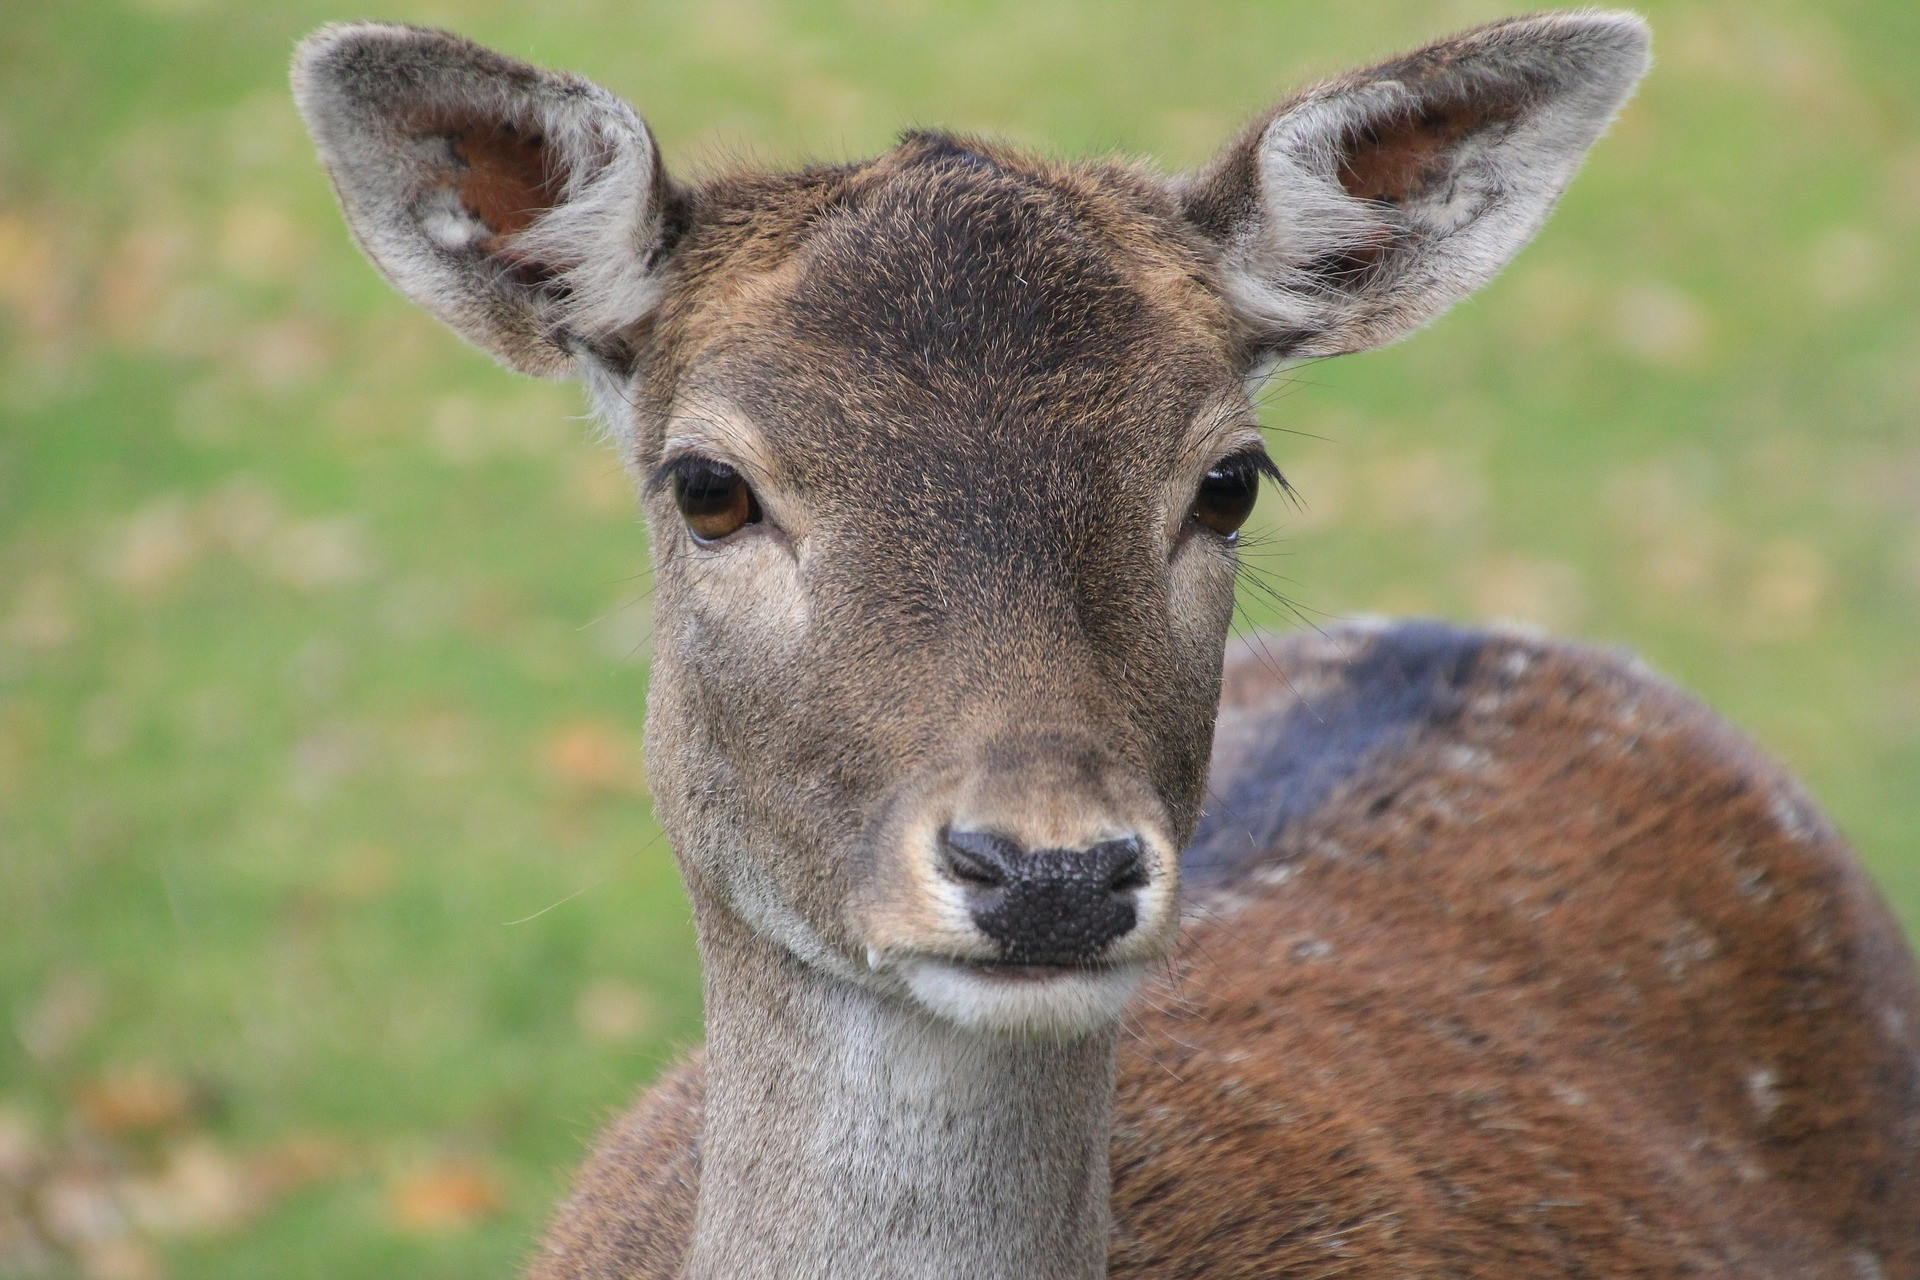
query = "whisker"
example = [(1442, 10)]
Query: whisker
[(563, 902)]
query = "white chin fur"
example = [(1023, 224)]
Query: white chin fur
[(1072, 1003)]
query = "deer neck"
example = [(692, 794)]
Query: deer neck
[(848, 1134)]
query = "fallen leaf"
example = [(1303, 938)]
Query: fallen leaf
[(134, 1100), (199, 1190), (33, 284), (143, 270), (444, 1198), (79, 1210), (123, 1258), (298, 1162), (591, 756)]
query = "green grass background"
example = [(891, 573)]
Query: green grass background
[(323, 641)]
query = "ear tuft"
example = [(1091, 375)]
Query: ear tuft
[(1364, 207), (526, 208)]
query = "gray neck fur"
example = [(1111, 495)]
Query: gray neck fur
[(850, 1135)]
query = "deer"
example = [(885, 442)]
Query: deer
[(1049, 931)]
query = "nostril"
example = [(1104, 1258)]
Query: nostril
[(1126, 869), (979, 858), (970, 870)]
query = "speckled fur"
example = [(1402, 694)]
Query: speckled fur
[(1559, 977)]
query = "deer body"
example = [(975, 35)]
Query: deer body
[(1484, 956), (1504, 958)]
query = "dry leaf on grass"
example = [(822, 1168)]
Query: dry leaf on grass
[(592, 757), (123, 1258), (444, 1198), (200, 1189), (134, 1100), (131, 1168)]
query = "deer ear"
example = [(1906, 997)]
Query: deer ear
[(1363, 208), (525, 208)]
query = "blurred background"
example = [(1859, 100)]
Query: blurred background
[(333, 919)]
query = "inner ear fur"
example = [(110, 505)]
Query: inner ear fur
[(1362, 208), (508, 177), (527, 209), (1405, 155)]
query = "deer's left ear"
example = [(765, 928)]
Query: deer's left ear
[(1367, 206)]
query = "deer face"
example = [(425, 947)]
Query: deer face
[(933, 695), (943, 457)]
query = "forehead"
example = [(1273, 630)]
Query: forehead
[(952, 299)]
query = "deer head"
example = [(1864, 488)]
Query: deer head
[(944, 457)]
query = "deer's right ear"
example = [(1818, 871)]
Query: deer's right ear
[(526, 208)]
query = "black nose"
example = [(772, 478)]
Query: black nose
[(1047, 906)]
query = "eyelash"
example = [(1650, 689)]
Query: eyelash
[(714, 498), (1227, 494)]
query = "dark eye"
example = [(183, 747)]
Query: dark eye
[(1227, 493), (713, 499)]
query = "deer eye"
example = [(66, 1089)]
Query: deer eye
[(1227, 493), (713, 499)]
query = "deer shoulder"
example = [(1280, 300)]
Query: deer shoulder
[(1506, 957)]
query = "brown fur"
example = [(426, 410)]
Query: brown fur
[(508, 181), (1409, 155), (1575, 984)]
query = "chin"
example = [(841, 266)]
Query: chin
[(1041, 1002)]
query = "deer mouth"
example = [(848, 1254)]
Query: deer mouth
[(1029, 1000), (1035, 971)]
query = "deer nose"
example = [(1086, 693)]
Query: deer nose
[(1047, 906)]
